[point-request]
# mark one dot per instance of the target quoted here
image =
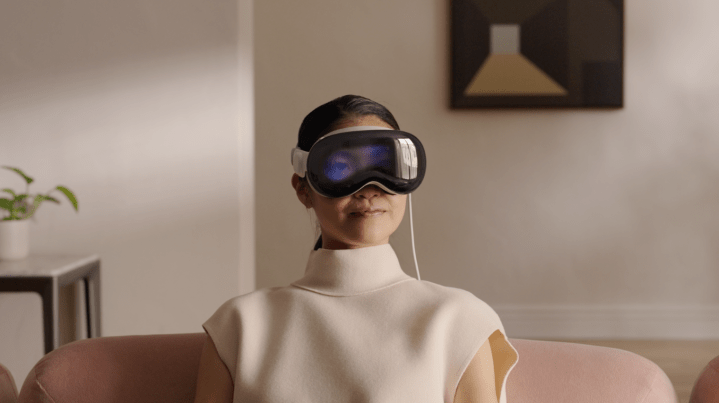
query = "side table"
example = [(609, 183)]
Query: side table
[(45, 275)]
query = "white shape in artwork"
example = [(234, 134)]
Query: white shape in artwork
[(504, 39)]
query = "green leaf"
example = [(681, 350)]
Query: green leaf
[(40, 198), (69, 194), (21, 197), (9, 191), (36, 203), (6, 204), (28, 179)]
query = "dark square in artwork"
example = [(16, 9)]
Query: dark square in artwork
[(537, 53), (602, 84)]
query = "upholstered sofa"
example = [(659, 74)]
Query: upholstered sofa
[(706, 387), (163, 368), (8, 392)]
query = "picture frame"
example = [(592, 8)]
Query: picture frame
[(537, 53)]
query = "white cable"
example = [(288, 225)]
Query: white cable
[(411, 227)]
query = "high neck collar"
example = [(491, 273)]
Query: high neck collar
[(346, 272)]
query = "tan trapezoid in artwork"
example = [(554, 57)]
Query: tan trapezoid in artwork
[(512, 74)]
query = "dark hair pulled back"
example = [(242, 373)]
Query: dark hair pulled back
[(325, 118)]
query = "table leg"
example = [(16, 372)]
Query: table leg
[(88, 320), (93, 302), (49, 295)]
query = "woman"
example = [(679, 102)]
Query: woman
[(355, 328)]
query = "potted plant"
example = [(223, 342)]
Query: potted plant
[(14, 229)]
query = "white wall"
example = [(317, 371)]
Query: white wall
[(145, 111), (570, 223)]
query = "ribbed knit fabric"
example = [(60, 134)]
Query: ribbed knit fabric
[(356, 329)]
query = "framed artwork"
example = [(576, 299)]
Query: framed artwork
[(537, 53)]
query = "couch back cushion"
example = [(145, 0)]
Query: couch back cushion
[(138, 369)]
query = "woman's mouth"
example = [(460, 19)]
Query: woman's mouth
[(368, 213)]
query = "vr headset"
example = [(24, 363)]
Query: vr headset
[(344, 161)]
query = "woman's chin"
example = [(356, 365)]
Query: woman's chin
[(370, 240)]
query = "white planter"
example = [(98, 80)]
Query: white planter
[(14, 239)]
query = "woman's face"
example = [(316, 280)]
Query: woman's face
[(366, 218)]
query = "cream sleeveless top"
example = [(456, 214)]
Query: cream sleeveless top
[(356, 329)]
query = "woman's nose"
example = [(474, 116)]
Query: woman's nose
[(369, 192)]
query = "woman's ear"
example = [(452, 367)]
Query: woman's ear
[(302, 190)]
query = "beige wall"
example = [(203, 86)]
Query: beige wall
[(570, 223), (144, 110)]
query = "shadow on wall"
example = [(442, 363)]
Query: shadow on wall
[(50, 39)]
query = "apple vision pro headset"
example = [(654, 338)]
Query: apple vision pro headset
[(344, 161)]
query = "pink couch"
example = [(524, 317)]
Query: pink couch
[(8, 392), (706, 387), (163, 368)]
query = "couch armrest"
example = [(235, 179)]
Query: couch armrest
[(560, 372), (706, 387), (8, 390)]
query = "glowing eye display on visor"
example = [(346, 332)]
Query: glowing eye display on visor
[(339, 166), (343, 164)]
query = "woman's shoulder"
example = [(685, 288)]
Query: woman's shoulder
[(257, 298), (457, 301), (449, 294)]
